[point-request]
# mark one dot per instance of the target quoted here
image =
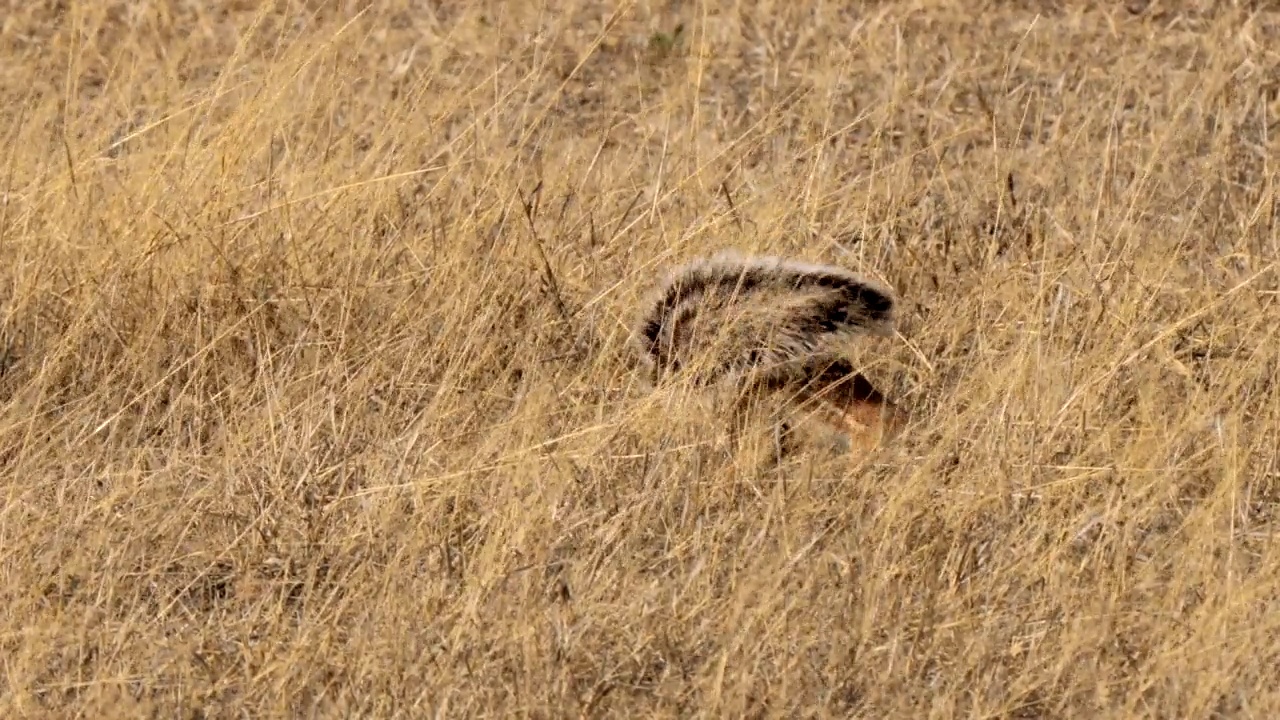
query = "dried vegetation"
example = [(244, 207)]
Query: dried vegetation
[(316, 401)]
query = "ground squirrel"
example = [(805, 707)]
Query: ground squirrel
[(772, 326)]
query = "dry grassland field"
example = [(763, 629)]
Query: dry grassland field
[(318, 396)]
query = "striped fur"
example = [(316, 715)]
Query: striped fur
[(727, 314), (771, 325)]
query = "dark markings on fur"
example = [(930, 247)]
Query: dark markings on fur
[(729, 314), (830, 376)]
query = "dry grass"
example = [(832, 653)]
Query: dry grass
[(316, 401)]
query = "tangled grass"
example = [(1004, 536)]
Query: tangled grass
[(316, 399)]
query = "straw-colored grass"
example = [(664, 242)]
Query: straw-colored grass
[(316, 397)]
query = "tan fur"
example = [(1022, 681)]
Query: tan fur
[(773, 326)]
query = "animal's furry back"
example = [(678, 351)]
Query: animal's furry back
[(730, 314)]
